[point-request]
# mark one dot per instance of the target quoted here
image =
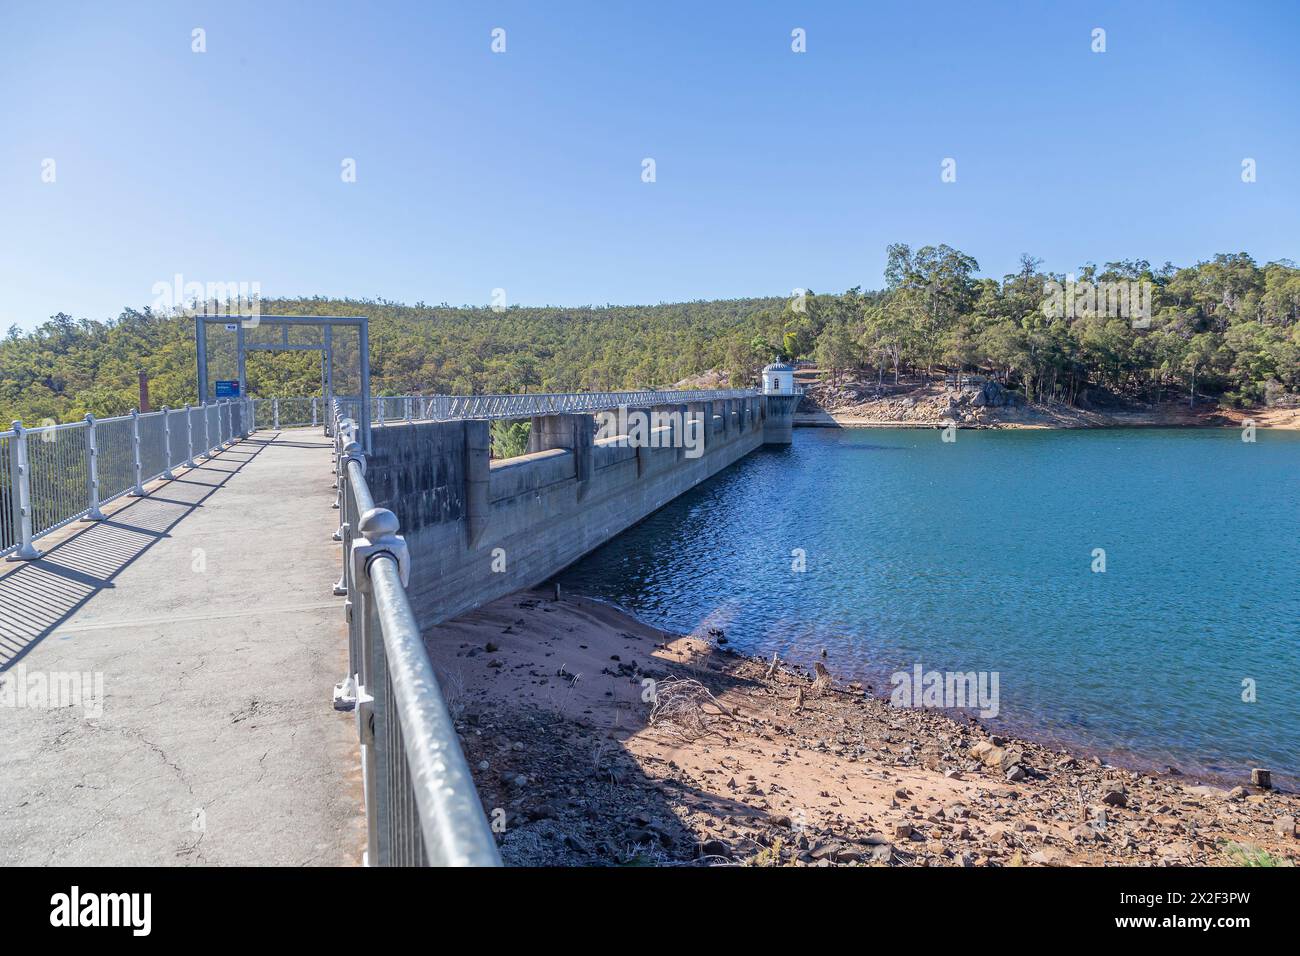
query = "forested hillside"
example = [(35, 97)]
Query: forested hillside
[(1226, 329), (68, 367)]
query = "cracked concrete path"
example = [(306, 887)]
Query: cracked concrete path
[(206, 609)]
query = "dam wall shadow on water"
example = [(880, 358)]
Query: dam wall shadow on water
[(479, 529)]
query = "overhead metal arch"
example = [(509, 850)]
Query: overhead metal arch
[(238, 325)]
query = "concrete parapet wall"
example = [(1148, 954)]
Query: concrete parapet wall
[(480, 529)]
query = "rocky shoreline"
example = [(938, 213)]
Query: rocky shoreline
[(597, 740), (986, 404)]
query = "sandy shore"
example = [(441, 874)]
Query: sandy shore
[(556, 705)]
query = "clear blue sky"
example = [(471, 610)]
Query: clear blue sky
[(522, 170)]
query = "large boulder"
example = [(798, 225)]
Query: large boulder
[(992, 395)]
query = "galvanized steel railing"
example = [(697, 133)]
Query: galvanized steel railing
[(57, 474), (422, 807), (290, 412), (385, 409)]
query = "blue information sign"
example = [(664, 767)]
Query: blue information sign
[(227, 388)]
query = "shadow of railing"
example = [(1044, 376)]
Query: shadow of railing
[(36, 597)]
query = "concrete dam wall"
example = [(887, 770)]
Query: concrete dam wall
[(479, 529)]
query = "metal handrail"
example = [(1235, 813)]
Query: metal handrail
[(422, 807), (453, 828), (57, 474), (520, 406), (389, 409)]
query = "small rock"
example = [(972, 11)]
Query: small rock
[(1083, 833), (1284, 826), (1115, 797), (1016, 773), (573, 843), (1262, 778), (825, 851), (715, 848)]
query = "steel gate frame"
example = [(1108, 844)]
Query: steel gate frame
[(326, 323)]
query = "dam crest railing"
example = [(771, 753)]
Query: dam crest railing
[(392, 409)]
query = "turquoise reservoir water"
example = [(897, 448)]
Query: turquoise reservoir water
[(978, 555)]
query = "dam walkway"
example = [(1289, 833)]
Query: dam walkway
[(185, 587), (165, 674)]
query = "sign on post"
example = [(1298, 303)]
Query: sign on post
[(227, 388)]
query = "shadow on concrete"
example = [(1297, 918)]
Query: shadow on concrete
[(36, 597), (323, 443)]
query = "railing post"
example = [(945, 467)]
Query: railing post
[(207, 438), (189, 438), (352, 452), (313, 411), (340, 480), (275, 411), (167, 444), (138, 490), (92, 471), (21, 494), (346, 695), (342, 437)]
